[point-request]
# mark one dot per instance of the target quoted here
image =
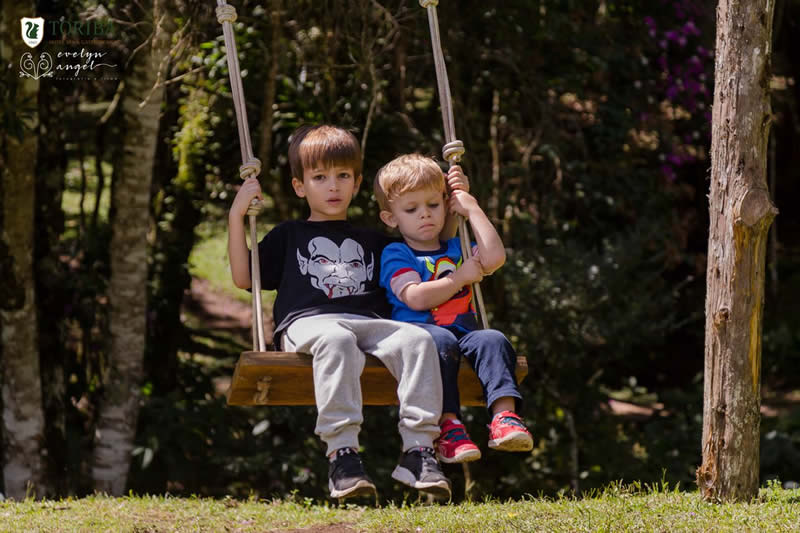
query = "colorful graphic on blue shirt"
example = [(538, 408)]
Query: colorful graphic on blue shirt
[(401, 265)]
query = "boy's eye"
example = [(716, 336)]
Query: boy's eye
[(410, 209), (434, 205), (344, 175), (318, 177)]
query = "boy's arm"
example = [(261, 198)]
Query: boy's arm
[(456, 181), (491, 252), (424, 295), (238, 253)]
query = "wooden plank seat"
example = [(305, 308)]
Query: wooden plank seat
[(284, 378)]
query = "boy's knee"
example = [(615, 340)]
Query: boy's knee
[(412, 334), (445, 341), (338, 342), (494, 337)]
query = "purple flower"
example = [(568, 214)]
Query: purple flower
[(690, 28), (672, 92), (650, 21)]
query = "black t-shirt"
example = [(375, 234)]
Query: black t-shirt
[(323, 267)]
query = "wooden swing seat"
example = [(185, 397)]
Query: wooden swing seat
[(284, 378)]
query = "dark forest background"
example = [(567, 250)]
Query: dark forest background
[(587, 130)]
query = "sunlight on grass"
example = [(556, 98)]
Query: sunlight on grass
[(209, 260), (70, 201), (616, 508)]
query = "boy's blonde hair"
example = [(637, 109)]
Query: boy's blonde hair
[(406, 173), (326, 144)]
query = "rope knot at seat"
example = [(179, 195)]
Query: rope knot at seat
[(453, 151), (426, 3), (226, 13)]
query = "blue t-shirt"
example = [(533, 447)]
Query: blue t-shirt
[(401, 265)]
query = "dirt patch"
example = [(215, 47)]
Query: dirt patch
[(220, 311), (330, 528)]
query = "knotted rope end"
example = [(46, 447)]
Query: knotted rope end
[(453, 151), (250, 169), (226, 13)]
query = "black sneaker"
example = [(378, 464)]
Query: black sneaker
[(346, 476), (419, 469)]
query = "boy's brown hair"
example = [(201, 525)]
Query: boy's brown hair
[(406, 173), (324, 143)]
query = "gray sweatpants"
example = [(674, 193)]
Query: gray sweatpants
[(338, 343)]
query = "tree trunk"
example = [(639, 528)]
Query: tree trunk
[(274, 183), (116, 426), (740, 215), (181, 188), (53, 290), (23, 417)]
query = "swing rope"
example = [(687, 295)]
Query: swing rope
[(251, 166), (453, 148)]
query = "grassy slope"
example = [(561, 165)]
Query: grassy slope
[(616, 509)]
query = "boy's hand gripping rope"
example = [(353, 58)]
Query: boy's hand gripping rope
[(251, 166), (453, 149)]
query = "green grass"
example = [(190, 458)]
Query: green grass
[(618, 508), (71, 200), (209, 259)]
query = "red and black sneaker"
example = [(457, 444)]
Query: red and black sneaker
[(507, 433), (454, 444)]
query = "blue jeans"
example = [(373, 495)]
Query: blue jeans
[(489, 353)]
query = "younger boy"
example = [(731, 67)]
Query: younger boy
[(329, 304), (428, 283)]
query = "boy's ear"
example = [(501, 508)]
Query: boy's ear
[(388, 218), (299, 188), (359, 179)]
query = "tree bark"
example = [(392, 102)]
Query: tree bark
[(23, 417), (740, 216), (53, 291), (116, 426), (274, 185)]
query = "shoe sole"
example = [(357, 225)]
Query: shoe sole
[(463, 457), (362, 488), (513, 442), (438, 489)]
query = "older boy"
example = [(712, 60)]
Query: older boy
[(329, 304), (429, 283)]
